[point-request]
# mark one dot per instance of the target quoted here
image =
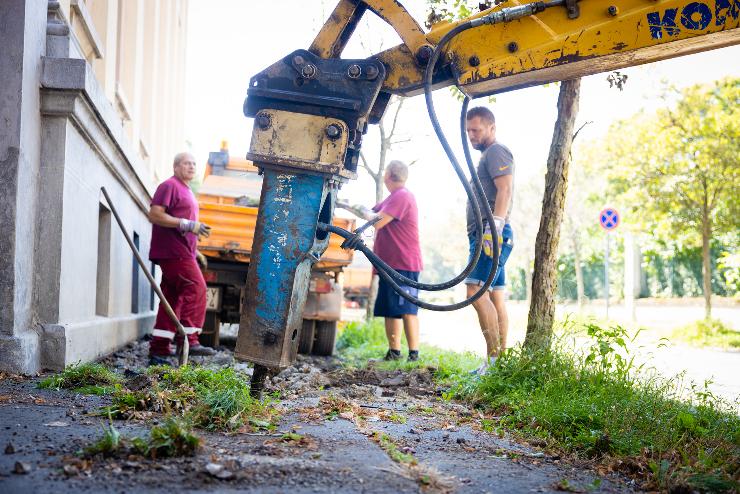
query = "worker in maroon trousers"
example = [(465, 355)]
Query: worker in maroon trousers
[(175, 232)]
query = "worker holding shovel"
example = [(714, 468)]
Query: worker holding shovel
[(175, 232)]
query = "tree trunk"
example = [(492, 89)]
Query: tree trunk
[(528, 278), (371, 296), (544, 280), (706, 235), (580, 292)]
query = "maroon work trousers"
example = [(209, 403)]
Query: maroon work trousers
[(185, 289)]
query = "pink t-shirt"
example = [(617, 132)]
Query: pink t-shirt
[(397, 243), (177, 200)]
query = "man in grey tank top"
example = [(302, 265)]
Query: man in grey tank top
[(496, 173)]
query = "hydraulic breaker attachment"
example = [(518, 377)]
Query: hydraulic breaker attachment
[(309, 117)]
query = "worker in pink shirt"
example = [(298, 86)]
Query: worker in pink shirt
[(397, 244), (175, 232)]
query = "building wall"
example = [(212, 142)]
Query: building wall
[(108, 113)]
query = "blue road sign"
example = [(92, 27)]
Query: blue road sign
[(609, 219)]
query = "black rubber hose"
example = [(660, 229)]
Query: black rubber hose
[(391, 276), (352, 242)]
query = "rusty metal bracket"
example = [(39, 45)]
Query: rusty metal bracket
[(574, 11)]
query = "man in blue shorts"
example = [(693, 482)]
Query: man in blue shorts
[(397, 243), (496, 173)]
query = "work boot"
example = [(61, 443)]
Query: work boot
[(392, 355), (158, 360), (201, 351), (413, 356)]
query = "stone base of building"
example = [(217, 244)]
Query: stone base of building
[(66, 344)]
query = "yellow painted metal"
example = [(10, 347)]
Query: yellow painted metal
[(402, 22), (298, 140), (336, 31), (332, 38), (550, 46)]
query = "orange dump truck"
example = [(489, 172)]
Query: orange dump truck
[(228, 200)]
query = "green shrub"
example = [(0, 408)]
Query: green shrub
[(711, 333), (596, 401)]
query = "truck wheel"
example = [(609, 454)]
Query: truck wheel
[(326, 333), (305, 343), (211, 327)]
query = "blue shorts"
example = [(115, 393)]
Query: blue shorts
[(480, 273), (390, 304)]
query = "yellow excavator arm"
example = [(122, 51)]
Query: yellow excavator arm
[(569, 40)]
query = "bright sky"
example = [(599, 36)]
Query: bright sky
[(231, 40)]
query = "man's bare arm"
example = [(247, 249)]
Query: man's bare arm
[(158, 216), (504, 186), (385, 218)]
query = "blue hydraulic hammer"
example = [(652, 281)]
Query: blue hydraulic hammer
[(310, 115)]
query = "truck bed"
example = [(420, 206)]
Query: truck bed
[(232, 234)]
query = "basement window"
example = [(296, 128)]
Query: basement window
[(102, 282)]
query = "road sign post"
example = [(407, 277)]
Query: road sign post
[(609, 220)]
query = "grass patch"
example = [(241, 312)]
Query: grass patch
[(711, 333), (171, 439), (357, 343), (209, 399), (89, 378), (596, 402)]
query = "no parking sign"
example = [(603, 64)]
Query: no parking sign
[(609, 219)]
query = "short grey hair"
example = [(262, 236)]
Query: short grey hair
[(181, 156), (398, 171)]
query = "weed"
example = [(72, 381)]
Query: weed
[(711, 333), (108, 445), (597, 402), (86, 378), (210, 399), (391, 449), (397, 418), (173, 438)]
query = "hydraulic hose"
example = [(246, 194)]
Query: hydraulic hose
[(391, 276), (353, 240)]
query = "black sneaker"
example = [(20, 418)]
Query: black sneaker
[(201, 351), (158, 360), (392, 355), (413, 355)]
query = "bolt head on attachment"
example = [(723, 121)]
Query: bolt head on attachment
[(474, 61), (613, 10), (354, 71), (308, 71), (371, 72), (513, 47), (333, 131), (423, 54), (264, 121)]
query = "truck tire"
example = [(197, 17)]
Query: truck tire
[(326, 333), (305, 342), (211, 328)]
